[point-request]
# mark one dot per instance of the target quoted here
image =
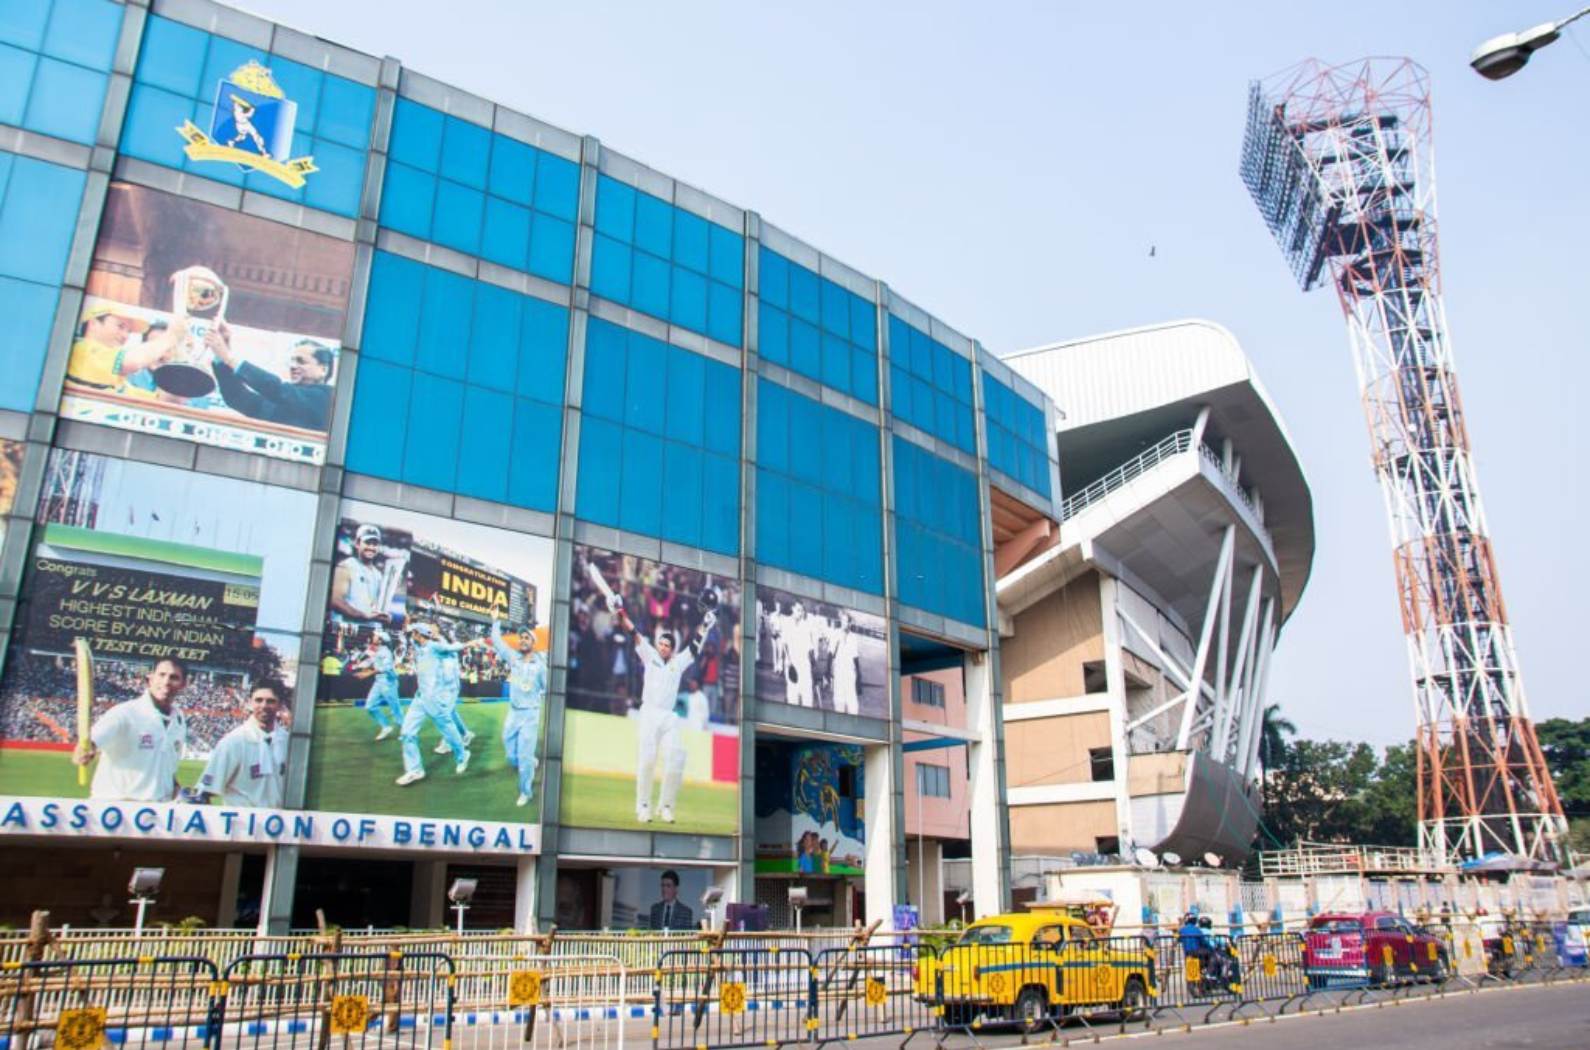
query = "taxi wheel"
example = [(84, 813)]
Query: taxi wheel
[(1032, 1007), (1134, 1000)]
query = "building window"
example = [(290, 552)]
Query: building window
[(1093, 677), (932, 781), (927, 693), (1102, 759), (1107, 845)]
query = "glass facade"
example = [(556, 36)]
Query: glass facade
[(485, 434)]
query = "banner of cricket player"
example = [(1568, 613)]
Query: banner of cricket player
[(433, 675), (210, 326), (10, 469)]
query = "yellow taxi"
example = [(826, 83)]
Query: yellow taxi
[(1027, 967)]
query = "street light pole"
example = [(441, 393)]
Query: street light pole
[(1502, 56)]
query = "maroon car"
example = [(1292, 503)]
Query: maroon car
[(1342, 950)]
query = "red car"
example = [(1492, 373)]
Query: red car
[(1377, 947)]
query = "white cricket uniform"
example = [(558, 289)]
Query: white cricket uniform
[(659, 726), (847, 689), (248, 767), (364, 586), (527, 691), (139, 751), (800, 636)]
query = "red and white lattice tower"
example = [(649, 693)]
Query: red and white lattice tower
[(1340, 161)]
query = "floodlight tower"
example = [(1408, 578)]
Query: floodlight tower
[(1340, 162)]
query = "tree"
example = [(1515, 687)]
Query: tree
[(1273, 734)]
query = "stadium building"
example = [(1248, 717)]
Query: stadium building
[(376, 420)]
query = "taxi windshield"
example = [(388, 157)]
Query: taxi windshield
[(986, 935)]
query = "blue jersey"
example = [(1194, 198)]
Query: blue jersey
[(430, 661), (527, 675), (383, 664)]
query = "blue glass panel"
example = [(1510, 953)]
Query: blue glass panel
[(377, 429), (407, 199), (682, 504), (773, 334), (444, 323), (513, 170), (38, 220), (966, 431), (688, 300), (85, 32), (435, 422), (392, 311), (456, 223), (690, 242), (835, 309), (301, 84), (836, 362), (727, 252), (552, 248), (416, 135), (772, 426), (654, 225), (346, 109), (483, 455), (864, 376), (684, 400), (557, 187), (803, 294), (643, 393), (610, 267), (805, 450), (720, 521), (336, 187), (772, 518), (152, 114), (494, 340), (16, 74), (505, 236), (615, 209), (723, 409), (899, 341), (834, 447), (773, 278), (649, 284), (221, 60), (537, 451), (543, 351), (943, 371), (806, 534), (27, 312), (805, 350), (601, 470), (863, 324), (606, 366), (22, 22), (725, 309), (172, 56), (866, 482), (838, 546), (944, 416), (466, 152), (640, 498)]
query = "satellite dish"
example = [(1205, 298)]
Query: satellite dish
[(1212, 859), (1172, 859), (1145, 857)]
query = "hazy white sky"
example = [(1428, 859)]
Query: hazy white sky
[(1008, 166)]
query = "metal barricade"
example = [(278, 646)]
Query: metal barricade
[(1272, 968), (869, 990), (379, 999), (727, 997), (1196, 983), (84, 1004), (552, 1002)]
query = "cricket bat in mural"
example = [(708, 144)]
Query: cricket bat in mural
[(85, 699), (602, 587)]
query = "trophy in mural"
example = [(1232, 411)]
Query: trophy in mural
[(394, 579), (200, 298)]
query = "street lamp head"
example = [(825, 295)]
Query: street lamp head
[(1502, 56)]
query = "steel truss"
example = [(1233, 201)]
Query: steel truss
[(1340, 161)]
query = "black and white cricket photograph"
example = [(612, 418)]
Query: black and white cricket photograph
[(811, 653)]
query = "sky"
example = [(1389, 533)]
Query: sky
[(1010, 167)]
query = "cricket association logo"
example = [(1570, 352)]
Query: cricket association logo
[(252, 127)]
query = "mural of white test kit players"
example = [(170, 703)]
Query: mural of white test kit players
[(815, 654), (433, 673), (651, 733)]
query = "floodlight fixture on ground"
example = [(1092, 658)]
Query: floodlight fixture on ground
[(1502, 56), (797, 900), (143, 886), (963, 898), (709, 899), (461, 892)]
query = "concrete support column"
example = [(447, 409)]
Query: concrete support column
[(276, 899), (427, 901), (231, 882), (883, 836), (524, 895), (990, 876)]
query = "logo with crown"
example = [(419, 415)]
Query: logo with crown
[(252, 127)]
